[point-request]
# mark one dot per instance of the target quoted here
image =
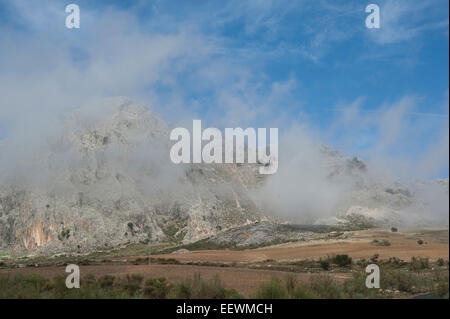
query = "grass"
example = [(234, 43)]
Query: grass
[(398, 284), (197, 288), (395, 283), (399, 278), (109, 287)]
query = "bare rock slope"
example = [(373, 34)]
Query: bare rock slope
[(109, 181)]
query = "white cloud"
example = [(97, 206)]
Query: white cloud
[(405, 20)]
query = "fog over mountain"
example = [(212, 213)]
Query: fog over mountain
[(103, 178), (82, 169)]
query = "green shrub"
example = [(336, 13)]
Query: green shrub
[(397, 279), (157, 288), (362, 262), (384, 242), (65, 234), (197, 288), (442, 289), (440, 262), (419, 263), (420, 242), (301, 292), (106, 281), (182, 290), (342, 260), (272, 289), (325, 287), (325, 264), (394, 229), (88, 280), (356, 287), (131, 284)]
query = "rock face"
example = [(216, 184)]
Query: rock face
[(386, 200), (109, 181), (106, 180), (268, 233)]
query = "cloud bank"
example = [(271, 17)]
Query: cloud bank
[(182, 72)]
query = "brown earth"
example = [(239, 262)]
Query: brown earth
[(403, 246)]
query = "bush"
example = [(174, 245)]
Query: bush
[(181, 291), (442, 289), (420, 242), (157, 288), (356, 287), (363, 262), (374, 258), (397, 262), (419, 263), (198, 288), (397, 280), (394, 229), (325, 264), (440, 262), (88, 280), (65, 234), (106, 281), (325, 287), (272, 290), (301, 292), (132, 284), (384, 242), (342, 260)]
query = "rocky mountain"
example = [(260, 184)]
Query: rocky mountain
[(386, 200), (106, 180), (109, 181)]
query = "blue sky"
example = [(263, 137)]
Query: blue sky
[(381, 94)]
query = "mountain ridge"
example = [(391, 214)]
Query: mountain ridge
[(107, 180)]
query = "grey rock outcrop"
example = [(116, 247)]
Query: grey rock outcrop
[(109, 181)]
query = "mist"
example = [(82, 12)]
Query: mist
[(47, 74)]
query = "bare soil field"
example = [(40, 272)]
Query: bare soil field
[(359, 245)]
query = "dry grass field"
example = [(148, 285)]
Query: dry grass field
[(403, 246)]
